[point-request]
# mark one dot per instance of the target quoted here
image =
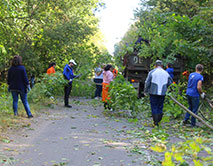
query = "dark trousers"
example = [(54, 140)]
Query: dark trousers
[(193, 106), (156, 102), (67, 91), (98, 90)]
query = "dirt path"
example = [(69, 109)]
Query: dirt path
[(80, 136)]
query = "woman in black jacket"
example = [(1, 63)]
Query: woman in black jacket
[(18, 84)]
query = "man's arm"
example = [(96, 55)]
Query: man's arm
[(147, 83), (170, 81), (199, 86), (99, 73)]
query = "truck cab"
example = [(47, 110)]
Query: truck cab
[(137, 69)]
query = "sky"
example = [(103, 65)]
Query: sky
[(115, 20)]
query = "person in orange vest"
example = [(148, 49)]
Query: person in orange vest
[(186, 74), (115, 72), (51, 68)]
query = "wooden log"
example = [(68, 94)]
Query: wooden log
[(191, 113)]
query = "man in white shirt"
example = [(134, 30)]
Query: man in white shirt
[(156, 85)]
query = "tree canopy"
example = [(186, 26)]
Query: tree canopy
[(42, 31), (173, 28)]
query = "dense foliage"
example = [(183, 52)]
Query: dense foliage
[(172, 28), (123, 95), (44, 31), (49, 86)]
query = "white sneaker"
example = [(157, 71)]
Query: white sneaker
[(96, 98)]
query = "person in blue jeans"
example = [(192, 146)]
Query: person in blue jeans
[(156, 85), (18, 85), (194, 92)]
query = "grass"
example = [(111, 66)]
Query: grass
[(10, 122)]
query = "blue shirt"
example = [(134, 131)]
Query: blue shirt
[(170, 71), (192, 84), (68, 72), (17, 79)]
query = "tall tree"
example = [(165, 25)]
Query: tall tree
[(43, 31)]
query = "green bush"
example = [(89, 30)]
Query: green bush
[(177, 91), (5, 98), (83, 88), (47, 86), (123, 95)]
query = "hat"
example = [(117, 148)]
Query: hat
[(72, 61), (158, 62)]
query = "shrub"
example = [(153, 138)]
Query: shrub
[(123, 95), (170, 108), (47, 86), (83, 88), (5, 100)]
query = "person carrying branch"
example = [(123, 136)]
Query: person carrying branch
[(194, 92), (156, 85)]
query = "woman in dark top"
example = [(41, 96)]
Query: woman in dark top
[(18, 85)]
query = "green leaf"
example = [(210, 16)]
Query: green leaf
[(159, 148), (197, 163), (194, 146)]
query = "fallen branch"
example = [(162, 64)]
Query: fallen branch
[(191, 113), (209, 101)]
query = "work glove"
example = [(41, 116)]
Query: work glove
[(145, 94), (203, 95), (70, 80)]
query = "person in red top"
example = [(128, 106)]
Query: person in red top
[(51, 68)]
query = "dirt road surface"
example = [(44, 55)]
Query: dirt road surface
[(77, 136)]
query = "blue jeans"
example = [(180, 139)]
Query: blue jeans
[(24, 101), (193, 106), (156, 102)]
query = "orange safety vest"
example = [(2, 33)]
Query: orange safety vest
[(51, 70), (115, 72), (105, 90), (186, 74)]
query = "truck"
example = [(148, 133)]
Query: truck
[(137, 68)]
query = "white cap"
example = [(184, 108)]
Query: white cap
[(72, 61), (159, 62)]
